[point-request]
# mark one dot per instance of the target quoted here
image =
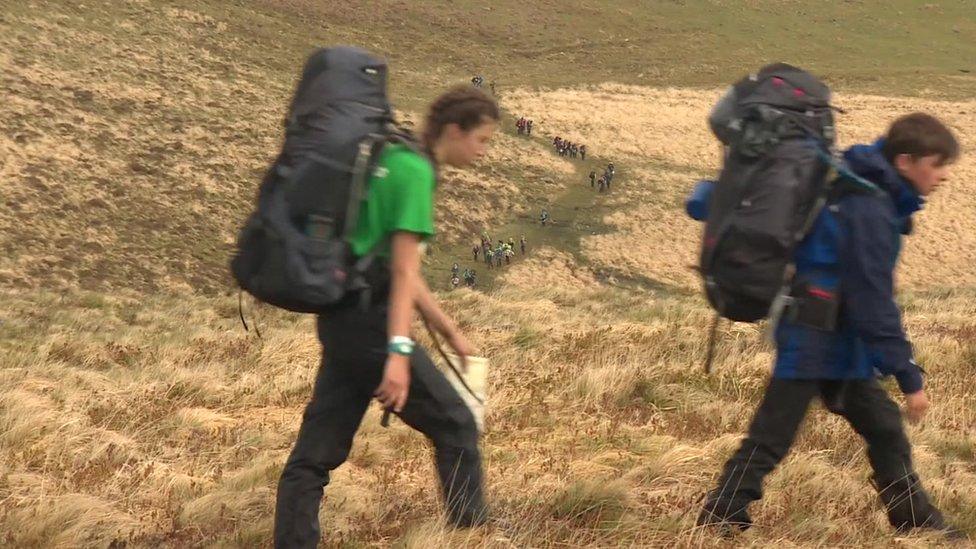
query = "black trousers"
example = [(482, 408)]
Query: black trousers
[(872, 414), (354, 356)]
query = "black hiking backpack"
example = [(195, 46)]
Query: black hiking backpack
[(292, 251), (778, 128)]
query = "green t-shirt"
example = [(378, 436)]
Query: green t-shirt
[(400, 198)]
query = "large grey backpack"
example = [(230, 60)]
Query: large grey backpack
[(292, 251), (779, 131)]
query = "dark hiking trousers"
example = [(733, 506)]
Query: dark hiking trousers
[(872, 414), (352, 367)]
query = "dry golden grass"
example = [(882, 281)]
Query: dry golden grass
[(551, 268), (159, 421)]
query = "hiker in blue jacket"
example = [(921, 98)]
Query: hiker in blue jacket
[(843, 327)]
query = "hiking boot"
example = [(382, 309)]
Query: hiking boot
[(948, 533), (469, 518), (908, 506), (726, 526), (953, 534)]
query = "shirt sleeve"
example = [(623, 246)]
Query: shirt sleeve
[(869, 254), (409, 195)]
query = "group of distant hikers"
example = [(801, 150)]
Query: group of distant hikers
[(494, 256), (502, 252), (523, 126), (603, 183), (479, 81), (470, 276), (816, 235), (568, 148)]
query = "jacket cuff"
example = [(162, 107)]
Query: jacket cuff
[(910, 381)]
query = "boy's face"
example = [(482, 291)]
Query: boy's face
[(926, 173)]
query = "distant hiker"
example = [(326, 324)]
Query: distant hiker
[(499, 255), (475, 251), (489, 256), (592, 178), (469, 278), (602, 184), (544, 217), (528, 127), (511, 243), (582, 151), (477, 81), (370, 351), (608, 175), (455, 281), (455, 269), (843, 325), (522, 243), (575, 150)]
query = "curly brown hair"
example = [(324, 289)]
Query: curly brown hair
[(466, 106)]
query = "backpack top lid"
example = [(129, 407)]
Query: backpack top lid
[(784, 86), (342, 73)]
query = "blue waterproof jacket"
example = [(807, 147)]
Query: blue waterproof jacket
[(851, 254)]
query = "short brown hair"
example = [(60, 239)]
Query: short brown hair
[(466, 106), (920, 134)]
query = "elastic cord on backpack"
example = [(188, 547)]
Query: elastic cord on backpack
[(712, 336), (240, 311)]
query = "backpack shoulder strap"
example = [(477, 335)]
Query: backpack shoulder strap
[(357, 191), (844, 172)]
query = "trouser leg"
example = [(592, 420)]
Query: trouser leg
[(770, 436)]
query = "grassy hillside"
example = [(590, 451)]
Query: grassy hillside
[(134, 408)]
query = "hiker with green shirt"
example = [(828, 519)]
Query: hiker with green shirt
[(369, 349)]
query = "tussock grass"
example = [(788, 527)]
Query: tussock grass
[(603, 431)]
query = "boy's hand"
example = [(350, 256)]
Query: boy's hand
[(392, 392), (916, 405)]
